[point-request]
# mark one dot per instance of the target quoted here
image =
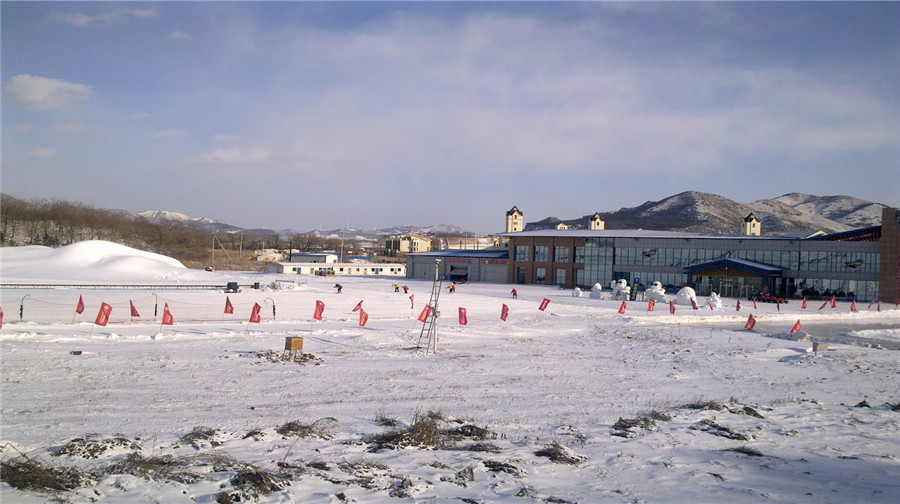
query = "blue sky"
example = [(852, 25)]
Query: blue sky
[(305, 115)]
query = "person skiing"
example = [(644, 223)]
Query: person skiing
[(515, 294), (396, 287), (406, 289), (338, 287)]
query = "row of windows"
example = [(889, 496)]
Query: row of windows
[(603, 253)]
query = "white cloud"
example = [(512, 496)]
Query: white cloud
[(171, 133), (70, 128), (226, 138), (104, 18), (237, 154), (179, 34), (46, 93), (42, 153)]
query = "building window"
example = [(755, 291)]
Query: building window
[(561, 254), (540, 275), (560, 276), (521, 252), (541, 253), (579, 255)]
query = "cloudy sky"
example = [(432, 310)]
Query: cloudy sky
[(307, 115)]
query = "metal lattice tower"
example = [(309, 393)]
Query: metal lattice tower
[(429, 327)]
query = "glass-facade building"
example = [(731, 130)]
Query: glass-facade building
[(860, 264)]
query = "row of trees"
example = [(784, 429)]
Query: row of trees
[(55, 223)]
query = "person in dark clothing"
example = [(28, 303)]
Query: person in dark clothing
[(338, 287)]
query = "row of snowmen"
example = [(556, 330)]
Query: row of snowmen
[(656, 292)]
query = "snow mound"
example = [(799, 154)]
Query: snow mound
[(89, 260)]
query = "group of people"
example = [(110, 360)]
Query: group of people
[(397, 288)]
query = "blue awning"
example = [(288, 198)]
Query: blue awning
[(742, 265)]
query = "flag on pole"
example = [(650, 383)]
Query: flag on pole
[(167, 318), (320, 307), (1, 317), (853, 306), (823, 306), (804, 303), (103, 314), (737, 307), (751, 322), (879, 306), (622, 307), (504, 312), (463, 319), (358, 306), (651, 304), (833, 302), (79, 308), (411, 302), (672, 307), (694, 304), (426, 312), (544, 304), (778, 305), (363, 317), (134, 312), (708, 302), (754, 302), (872, 302), (229, 308), (796, 328), (254, 315)]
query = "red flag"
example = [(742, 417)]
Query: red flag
[(134, 312), (426, 312), (651, 304), (796, 328), (738, 305), (853, 306), (710, 304), (544, 304), (778, 305), (167, 319), (103, 314), (229, 308), (751, 322), (833, 303), (871, 303), (504, 312), (463, 319), (879, 306), (320, 307), (79, 308), (694, 304), (363, 317), (823, 306), (754, 303), (411, 302), (804, 303), (254, 315), (672, 307), (358, 306), (622, 307), (1, 317)]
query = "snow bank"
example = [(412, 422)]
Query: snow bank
[(90, 260)]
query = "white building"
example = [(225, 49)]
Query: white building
[(329, 269)]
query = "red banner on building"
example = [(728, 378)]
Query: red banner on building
[(103, 314)]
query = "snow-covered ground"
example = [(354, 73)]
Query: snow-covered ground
[(577, 403)]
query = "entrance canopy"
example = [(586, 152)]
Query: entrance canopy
[(735, 268)]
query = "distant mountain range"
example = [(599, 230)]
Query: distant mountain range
[(699, 212), (690, 211)]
